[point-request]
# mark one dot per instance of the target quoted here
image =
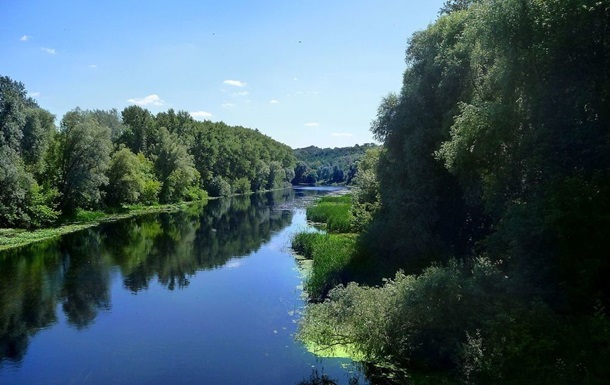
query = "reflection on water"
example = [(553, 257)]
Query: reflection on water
[(72, 280), (75, 269)]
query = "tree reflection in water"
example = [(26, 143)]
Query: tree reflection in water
[(76, 270)]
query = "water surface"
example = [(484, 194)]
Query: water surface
[(211, 296)]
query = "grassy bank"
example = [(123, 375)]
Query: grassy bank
[(333, 212), (11, 238), (331, 253)]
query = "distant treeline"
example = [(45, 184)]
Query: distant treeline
[(97, 159), (328, 165)]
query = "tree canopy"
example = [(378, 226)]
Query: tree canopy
[(97, 159)]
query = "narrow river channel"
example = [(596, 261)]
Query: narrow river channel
[(207, 296)]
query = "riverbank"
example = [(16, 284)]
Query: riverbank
[(12, 238)]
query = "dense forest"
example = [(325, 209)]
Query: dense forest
[(491, 198), (103, 159), (328, 165)]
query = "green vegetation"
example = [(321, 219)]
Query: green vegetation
[(73, 275), (328, 165), (332, 254), (103, 160), (11, 238), (334, 212), (488, 204)]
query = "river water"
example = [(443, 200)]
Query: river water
[(211, 295)]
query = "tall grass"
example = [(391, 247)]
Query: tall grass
[(331, 255), (334, 211)]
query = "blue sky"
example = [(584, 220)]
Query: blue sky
[(303, 72)]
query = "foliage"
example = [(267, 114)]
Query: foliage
[(241, 186), (25, 135), (366, 200), (428, 321), (129, 175), (175, 168), (219, 187), (83, 156), (496, 146), (328, 165)]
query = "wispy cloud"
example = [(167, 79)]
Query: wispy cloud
[(201, 115), (241, 93), (235, 83), (34, 94), (341, 134), (50, 51), (25, 38), (312, 124), (228, 105), (273, 101), (92, 65), (153, 100)]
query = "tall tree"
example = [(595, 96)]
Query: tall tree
[(83, 155), (141, 132), (175, 167)]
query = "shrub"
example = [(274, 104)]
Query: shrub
[(219, 187), (241, 186)]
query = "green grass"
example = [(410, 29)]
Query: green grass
[(331, 255), (11, 238), (334, 211)]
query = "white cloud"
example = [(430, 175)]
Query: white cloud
[(228, 105), (92, 65), (25, 38), (50, 51), (241, 93), (153, 99), (312, 124), (341, 134), (235, 83), (34, 94), (201, 115), (273, 101)]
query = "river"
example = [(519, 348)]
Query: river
[(211, 295)]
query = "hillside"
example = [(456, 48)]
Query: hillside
[(328, 165)]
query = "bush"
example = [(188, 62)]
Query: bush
[(219, 187), (195, 193), (241, 186), (462, 317)]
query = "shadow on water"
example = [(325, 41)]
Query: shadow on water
[(74, 272)]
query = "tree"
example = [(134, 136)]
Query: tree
[(38, 132), (141, 133), (174, 167), (83, 156), (112, 119), (131, 179), (13, 105), (25, 134)]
